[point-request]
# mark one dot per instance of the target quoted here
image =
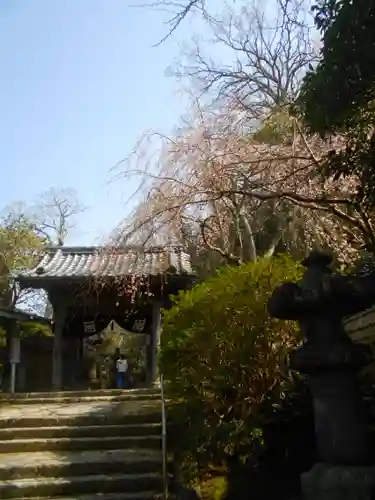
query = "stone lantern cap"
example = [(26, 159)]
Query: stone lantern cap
[(323, 292)]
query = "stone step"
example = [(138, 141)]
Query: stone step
[(86, 443), (81, 399), (84, 421), (70, 431), (78, 463), (143, 495), (83, 413), (80, 485), (144, 392)]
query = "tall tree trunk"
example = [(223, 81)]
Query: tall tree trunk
[(216, 211), (252, 251)]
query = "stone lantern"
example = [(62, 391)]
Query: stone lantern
[(332, 362)]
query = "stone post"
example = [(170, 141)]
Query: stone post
[(155, 341), (331, 362)]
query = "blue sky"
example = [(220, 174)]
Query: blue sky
[(79, 83)]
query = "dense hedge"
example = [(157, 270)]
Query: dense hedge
[(223, 357)]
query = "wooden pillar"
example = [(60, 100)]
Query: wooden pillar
[(14, 355), (12, 338), (6, 324), (57, 357), (155, 341)]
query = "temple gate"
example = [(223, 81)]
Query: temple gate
[(88, 287)]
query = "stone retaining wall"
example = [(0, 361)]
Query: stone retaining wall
[(361, 328)]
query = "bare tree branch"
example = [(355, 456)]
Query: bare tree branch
[(227, 255), (55, 214), (178, 10), (267, 56)]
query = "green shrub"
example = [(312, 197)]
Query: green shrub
[(28, 329), (223, 355)]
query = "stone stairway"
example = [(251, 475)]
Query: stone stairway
[(81, 445)]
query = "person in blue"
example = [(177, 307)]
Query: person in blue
[(121, 370)]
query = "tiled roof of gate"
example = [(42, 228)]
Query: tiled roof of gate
[(85, 262)]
